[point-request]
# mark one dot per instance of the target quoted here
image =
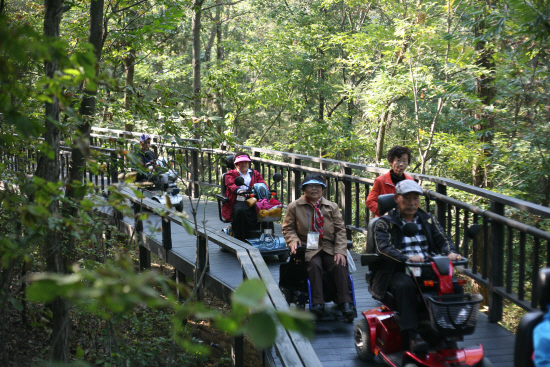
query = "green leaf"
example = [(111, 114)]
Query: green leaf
[(261, 329), (250, 293), (79, 353)]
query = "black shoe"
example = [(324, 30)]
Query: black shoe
[(318, 310), (347, 309), (418, 345)]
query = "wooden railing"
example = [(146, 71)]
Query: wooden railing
[(506, 257), (292, 349)]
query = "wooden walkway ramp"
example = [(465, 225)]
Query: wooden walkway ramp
[(334, 338)]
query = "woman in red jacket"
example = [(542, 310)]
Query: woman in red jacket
[(242, 216), (399, 158)]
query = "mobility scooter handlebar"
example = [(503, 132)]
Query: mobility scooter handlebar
[(428, 262)]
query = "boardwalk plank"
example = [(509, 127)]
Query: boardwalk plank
[(333, 344)]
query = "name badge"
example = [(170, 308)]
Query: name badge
[(416, 271), (240, 198), (313, 240)]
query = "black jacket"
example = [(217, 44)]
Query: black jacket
[(389, 243)]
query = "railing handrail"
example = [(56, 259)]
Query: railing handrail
[(503, 199)]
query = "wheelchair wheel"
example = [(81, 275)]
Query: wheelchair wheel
[(361, 336), (283, 257), (179, 206), (484, 363)]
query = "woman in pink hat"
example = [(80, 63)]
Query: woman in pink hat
[(242, 216)]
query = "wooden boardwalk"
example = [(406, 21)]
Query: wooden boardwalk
[(334, 338)]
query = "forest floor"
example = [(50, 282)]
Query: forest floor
[(142, 339)]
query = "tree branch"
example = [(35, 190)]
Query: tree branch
[(270, 126), (220, 4), (128, 7)]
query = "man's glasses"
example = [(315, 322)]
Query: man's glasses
[(318, 187)]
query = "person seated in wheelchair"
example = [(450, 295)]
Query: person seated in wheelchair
[(147, 157), (316, 223), (242, 216), (395, 248)]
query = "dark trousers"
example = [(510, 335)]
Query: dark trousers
[(339, 273), (407, 299), (243, 219)]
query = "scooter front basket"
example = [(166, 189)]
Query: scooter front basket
[(454, 314)]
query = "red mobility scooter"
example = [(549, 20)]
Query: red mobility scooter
[(444, 317)]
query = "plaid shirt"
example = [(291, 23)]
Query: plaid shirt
[(415, 245)]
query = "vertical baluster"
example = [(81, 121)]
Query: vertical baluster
[(336, 191), (521, 278), (485, 249), (288, 187), (535, 272), (269, 176), (202, 175), (217, 169), (328, 188), (475, 246), (509, 263), (209, 168), (548, 253), (465, 250), (282, 185), (356, 204), (187, 171), (427, 204), (449, 219), (367, 211), (457, 225)]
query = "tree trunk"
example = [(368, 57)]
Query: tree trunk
[(219, 60), (486, 91), (87, 107), (129, 91), (196, 30), (48, 169)]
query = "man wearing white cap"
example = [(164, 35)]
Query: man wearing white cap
[(395, 249)]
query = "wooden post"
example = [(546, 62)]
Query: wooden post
[(440, 206), (237, 351), (144, 258), (166, 233), (202, 264), (346, 200), (195, 173), (496, 279), (181, 280), (296, 180), (137, 213)]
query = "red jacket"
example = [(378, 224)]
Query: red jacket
[(382, 185), (231, 190)]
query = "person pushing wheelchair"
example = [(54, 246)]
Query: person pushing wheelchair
[(315, 222), (394, 248)]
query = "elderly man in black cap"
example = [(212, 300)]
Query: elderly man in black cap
[(395, 249)]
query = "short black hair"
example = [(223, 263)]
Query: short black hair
[(397, 151), (312, 176)]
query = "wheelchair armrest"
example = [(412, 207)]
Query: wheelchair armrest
[(222, 198), (368, 259)]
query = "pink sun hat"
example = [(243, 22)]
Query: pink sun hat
[(242, 158)]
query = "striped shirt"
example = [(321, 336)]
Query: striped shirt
[(417, 244)]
